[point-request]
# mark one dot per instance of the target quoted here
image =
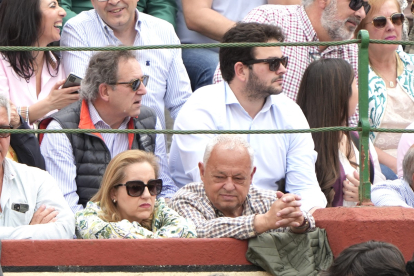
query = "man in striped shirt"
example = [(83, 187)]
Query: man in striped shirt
[(118, 22), (111, 93), (225, 205), (397, 192)]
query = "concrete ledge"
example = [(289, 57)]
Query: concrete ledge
[(347, 226), (344, 226)]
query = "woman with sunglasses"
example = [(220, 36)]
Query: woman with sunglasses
[(125, 207), (31, 79), (338, 156), (391, 81)]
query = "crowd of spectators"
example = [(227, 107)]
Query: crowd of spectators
[(125, 185)]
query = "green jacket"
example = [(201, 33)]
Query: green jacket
[(289, 254), (164, 9)]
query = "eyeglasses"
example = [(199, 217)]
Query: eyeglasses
[(5, 134), (136, 188), (357, 4), (381, 21), (134, 83), (274, 63)]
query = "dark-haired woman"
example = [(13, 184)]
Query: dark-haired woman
[(328, 96), (372, 258), (31, 79)]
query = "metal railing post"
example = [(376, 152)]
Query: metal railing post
[(364, 179)]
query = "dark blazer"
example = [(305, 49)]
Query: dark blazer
[(27, 148)]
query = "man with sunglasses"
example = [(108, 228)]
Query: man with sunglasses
[(31, 204), (118, 22), (225, 205), (250, 99), (111, 93), (314, 20)]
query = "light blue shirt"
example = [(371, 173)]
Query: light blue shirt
[(60, 161), (393, 193), (277, 156), (32, 186), (168, 85)]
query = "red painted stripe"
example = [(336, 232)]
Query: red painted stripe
[(344, 226), (124, 252)]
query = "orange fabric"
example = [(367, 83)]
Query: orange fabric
[(85, 122), (11, 154), (85, 119)]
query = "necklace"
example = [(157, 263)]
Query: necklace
[(399, 69)]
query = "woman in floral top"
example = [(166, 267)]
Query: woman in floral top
[(126, 207)]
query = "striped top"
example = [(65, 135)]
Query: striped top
[(393, 193), (168, 85)]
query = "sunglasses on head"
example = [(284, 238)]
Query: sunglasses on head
[(5, 134), (381, 21), (136, 188), (274, 63), (357, 4), (134, 84)]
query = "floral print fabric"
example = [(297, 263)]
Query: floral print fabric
[(166, 224)]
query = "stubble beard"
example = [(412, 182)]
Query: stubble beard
[(256, 89)]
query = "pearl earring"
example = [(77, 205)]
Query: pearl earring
[(114, 200)]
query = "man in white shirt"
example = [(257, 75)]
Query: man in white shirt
[(118, 22), (112, 94), (250, 99), (31, 204)]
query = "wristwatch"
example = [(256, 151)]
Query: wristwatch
[(308, 222)]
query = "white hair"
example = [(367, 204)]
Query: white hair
[(4, 102), (228, 141)]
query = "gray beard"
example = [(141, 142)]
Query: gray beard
[(336, 29)]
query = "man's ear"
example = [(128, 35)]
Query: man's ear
[(201, 168), (252, 174), (412, 179), (241, 71), (103, 91)]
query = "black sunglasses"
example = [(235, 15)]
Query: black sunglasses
[(274, 63), (136, 188), (135, 84), (5, 134), (357, 4), (381, 21)]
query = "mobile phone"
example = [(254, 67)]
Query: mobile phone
[(20, 207), (72, 80)]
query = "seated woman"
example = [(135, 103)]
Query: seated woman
[(328, 96), (31, 79), (391, 81), (126, 207)]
